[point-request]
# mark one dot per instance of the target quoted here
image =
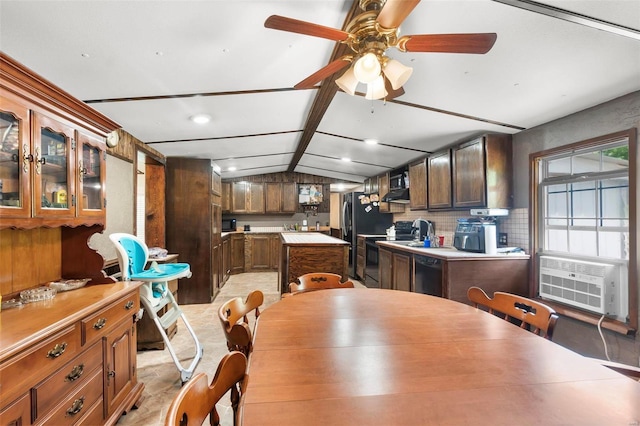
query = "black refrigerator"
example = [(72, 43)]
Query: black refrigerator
[(360, 216)]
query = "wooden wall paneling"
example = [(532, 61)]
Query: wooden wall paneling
[(155, 204), (25, 273), (6, 265), (48, 255)]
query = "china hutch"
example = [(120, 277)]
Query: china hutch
[(70, 359)]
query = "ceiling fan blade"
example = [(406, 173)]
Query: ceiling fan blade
[(394, 12), (391, 92), (282, 23), (323, 73), (448, 43)]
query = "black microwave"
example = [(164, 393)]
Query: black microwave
[(228, 225)]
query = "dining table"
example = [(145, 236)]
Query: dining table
[(363, 356)]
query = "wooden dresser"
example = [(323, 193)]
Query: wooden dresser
[(71, 359)]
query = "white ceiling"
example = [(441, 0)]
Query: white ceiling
[(160, 62)]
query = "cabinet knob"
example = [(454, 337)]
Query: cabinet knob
[(129, 305), (57, 350), (100, 323)]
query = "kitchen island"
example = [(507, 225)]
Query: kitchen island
[(448, 273), (301, 253)]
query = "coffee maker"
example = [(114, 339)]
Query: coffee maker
[(478, 234)]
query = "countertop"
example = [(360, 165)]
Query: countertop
[(450, 253), (274, 230), (292, 238)]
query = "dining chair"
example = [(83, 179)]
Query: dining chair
[(318, 281), (197, 399), (235, 323), (532, 315)]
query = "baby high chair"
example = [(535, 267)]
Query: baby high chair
[(133, 255)]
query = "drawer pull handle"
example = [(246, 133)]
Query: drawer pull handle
[(100, 323), (57, 350), (75, 374), (129, 305), (76, 407)]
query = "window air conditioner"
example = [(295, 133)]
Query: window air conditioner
[(587, 285)]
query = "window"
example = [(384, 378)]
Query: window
[(583, 226)]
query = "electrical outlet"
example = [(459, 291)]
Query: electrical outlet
[(502, 239)]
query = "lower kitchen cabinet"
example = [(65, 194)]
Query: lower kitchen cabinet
[(72, 359), (361, 261), (237, 253), (394, 270), (226, 259), (261, 252), (385, 268)]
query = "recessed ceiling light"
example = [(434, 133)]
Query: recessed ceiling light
[(85, 55), (200, 118), (346, 159), (370, 141), (232, 169)]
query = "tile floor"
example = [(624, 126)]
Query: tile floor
[(156, 368)]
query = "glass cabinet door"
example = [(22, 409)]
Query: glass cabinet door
[(53, 168), (15, 156), (91, 176)]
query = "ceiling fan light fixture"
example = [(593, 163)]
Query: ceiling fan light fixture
[(367, 68), (397, 73), (375, 89), (348, 82), (200, 118)]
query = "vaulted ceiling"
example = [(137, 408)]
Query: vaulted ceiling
[(151, 65)]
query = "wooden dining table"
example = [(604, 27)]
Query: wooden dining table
[(386, 357)]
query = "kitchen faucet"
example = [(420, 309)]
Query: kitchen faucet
[(430, 229)]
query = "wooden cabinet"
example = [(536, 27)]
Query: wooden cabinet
[(439, 192), (237, 253), (370, 185), (383, 189), (385, 268), (281, 197), (418, 185), (226, 197), (71, 360), (401, 272), (261, 252), (52, 171), (361, 261), (274, 250), (226, 259), (247, 197), (194, 221), (482, 173)]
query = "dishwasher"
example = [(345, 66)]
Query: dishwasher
[(428, 275)]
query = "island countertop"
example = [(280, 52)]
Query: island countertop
[(313, 238)]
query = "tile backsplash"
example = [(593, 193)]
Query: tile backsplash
[(516, 225)]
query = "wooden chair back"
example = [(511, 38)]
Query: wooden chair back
[(318, 281), (533, 315), (197, 399), (235, 323)]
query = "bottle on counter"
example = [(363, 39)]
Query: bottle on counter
[(317, 225)]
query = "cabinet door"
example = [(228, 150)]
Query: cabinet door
[(256, 198), (91, 200), (418, 185), (385, 268), (439, 181), (469, 179), (120, 364), (226, 197), (401, 272), (226, 258), (15, 167), (54, 178), (239, 197), (216, 182), (259, 252), (216, 270), (275, 251), (289, 197), (273, 197), (383, 187), (237, 254)]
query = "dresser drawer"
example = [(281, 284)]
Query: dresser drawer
[(73, 374), (104, 320), (78, 404), (17, 413), (23, 370)]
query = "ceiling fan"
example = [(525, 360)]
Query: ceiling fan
[(369, 35)]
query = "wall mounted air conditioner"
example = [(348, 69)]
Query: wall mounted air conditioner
[(588, 285)]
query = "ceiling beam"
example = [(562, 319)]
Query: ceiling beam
[(325, 95), (574, 17)]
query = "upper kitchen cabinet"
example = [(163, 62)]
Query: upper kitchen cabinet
[(52, 154), (226, 197), (371, 185), (482, 173), (418, 185), (383, 189), (281, 197), (439, 180), (247, 197)]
